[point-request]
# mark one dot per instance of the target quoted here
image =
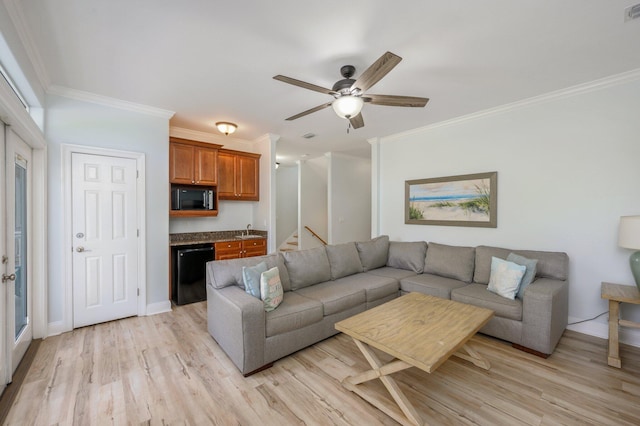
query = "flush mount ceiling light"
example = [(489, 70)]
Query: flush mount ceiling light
[(226, 127), (348, 106)]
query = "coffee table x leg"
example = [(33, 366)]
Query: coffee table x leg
[(382, 371)]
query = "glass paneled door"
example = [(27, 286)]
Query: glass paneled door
[(17, 280)]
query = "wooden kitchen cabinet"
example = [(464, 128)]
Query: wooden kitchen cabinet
[(192, 162), (227, 250), (242, 248), (254, 247), (238, 175)]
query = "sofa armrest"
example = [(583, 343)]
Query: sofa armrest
[(236, 320), (545, 314)]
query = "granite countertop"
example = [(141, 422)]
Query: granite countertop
[(211, 237)]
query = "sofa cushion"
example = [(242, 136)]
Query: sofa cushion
[(251, 278), (529, 275), (477, 294), (390, 272), (271, 289), (450, 261), (376, 287), (223, 273), (505, 277), (343, 259), (373, 253), (433, 285), (294, 312), (334, 296), (407, 255), (551, 264), (307, 267)]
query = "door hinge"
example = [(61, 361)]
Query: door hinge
[(137, 232), (137, 174), (138, 292)]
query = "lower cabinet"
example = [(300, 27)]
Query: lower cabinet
[(241, 248)]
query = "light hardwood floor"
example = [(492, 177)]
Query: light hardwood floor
[(166, 369)]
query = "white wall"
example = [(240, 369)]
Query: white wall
[(349, 198), (264, 212), (83, 123), (312, 199), (286, 202), (567, 170)]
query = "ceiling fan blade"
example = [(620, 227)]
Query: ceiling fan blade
[(309, 111), (357, 121), (376, 71), (304, 84), (392, 100)]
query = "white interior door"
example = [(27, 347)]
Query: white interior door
[(105, 238), (17, 275)]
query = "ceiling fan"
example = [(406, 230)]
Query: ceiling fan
[(349, 96)]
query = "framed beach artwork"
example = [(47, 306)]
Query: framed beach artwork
[(465, 200)]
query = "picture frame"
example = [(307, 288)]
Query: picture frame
[(463, 200)]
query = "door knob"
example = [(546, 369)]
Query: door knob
[(6, 277), (80, 249)]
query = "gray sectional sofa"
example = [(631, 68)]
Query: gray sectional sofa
[(326, 284)]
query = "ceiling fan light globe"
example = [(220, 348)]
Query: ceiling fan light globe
[(347, 106)]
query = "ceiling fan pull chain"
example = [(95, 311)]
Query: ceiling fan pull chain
[(348, 127)]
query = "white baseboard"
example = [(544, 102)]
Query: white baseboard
[(55, 328), (159, 307), (628, 336)]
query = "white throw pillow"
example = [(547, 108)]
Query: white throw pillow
[(271, 289), (505, 277)]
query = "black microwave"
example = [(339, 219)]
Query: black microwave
[(185, 198)]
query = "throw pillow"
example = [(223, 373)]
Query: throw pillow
[(529, 276), (505, 277), (251, 278), (271, 289)]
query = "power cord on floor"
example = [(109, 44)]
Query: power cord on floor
[(590, 319)]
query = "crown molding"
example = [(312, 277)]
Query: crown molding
[(20, 23), (592, 86), (80, 95)]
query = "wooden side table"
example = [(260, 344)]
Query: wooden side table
[(618, 293)]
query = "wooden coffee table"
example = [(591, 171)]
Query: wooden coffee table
[(419, 331)]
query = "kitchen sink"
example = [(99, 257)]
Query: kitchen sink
[(248, 237)]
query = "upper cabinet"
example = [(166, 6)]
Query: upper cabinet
[(238, 175), (193, 163)]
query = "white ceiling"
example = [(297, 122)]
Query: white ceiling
[(214, 60)]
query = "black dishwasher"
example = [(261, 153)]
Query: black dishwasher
[(189, 272)]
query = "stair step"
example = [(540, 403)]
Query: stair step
[(286, 249), (292, 243)]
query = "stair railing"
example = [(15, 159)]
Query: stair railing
[(315, 235)]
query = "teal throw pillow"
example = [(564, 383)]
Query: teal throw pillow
[(505, 277), (529, 276), (271, 289), (251, 278)]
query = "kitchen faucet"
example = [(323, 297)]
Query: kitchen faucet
[(248, 229)]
